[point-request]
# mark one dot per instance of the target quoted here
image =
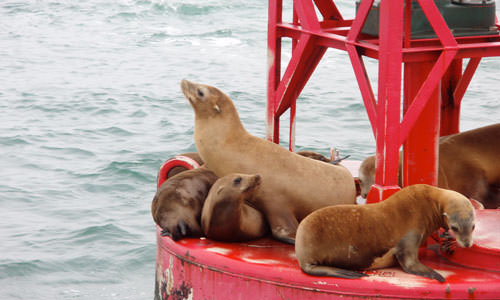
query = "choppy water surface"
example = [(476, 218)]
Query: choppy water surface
[(90, 107)]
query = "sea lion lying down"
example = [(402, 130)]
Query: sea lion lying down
[(469, 163)]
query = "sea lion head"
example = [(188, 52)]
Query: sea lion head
[(366, 175), (179, 213), (232, 184), (207, 101), (459, 218)]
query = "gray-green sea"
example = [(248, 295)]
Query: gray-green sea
[(90, 107)]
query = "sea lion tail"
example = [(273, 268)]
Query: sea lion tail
[(320, 270)]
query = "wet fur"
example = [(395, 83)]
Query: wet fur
[(374, 236), (177, 204), (227, 215)]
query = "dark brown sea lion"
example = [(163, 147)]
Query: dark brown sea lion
[(292, 185), (177, 205), (469, 163), (334, 240), (227, 215)]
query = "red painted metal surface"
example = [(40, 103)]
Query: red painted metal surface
[(177, 161), (267, 269)]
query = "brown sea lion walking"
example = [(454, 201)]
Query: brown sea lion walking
[(469, 163), (227, 215), (334, 240), (177, 205), (292, 186)]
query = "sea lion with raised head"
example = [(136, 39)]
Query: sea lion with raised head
[(178, 202), (292, 186), (469, 163), (336, 240), (227, 214)]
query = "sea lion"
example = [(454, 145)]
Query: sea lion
[(334, 240), (176, 170), (177, 204), (292, 185), (227, 215), (366, 174), (314, 155), (334, 157), (469, 163)]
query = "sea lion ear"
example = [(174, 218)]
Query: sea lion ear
[(217, 108)]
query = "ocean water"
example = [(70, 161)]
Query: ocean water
[(90, 107)]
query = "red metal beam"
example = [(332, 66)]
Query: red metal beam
[(428, 87), (389, 99), (274, 67), (464, 81), (364, 85), (305, 58)]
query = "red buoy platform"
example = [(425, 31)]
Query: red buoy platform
[(199, 268)]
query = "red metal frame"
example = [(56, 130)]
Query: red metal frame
[(433, 81)]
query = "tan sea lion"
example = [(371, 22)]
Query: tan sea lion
[(177, 205), (366, 174), (227, 215), (334, 240), (292, 186), (469, 163), (176, 170)]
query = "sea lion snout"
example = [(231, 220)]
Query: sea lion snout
[(194, 92), (459, 217), (253, 182), (181, 229)]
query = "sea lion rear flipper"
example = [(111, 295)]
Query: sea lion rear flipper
[(407, 256), (319, 270)]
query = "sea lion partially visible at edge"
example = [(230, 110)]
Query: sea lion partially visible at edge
[(292, 186), (178, 202), (227, 215), (335, 240), (469, 163), (176, 170)]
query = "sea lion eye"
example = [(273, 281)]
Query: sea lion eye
[(237, 181), (454, 228), (200, 93)]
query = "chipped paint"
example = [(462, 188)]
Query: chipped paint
[(397, 278), (262, 261), (219, 250), (169, 276)]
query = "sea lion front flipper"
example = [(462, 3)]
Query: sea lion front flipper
[(283, 226), (319, 270), (407, 256)]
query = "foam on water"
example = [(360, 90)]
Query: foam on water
[(91, 106)]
